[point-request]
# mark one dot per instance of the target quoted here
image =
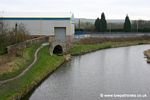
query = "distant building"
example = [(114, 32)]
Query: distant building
[(58, 27)]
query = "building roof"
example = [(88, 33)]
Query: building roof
[(35, 15)]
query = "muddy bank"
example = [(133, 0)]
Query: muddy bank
[(147, 54)]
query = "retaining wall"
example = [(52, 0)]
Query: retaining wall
[(17, 48)]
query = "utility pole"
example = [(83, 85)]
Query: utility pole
[(137, 26), (110, 27), (16, 26), (79, 24), (40, 26)]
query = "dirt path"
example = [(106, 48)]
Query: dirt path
[(21, 74)]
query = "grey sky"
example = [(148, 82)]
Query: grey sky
[(114, 9)]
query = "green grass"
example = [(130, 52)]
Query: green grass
[(78, 49), (20, 63), (45, 65)]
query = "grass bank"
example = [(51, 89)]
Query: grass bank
[(17, 64), (79, 49), (21, 86), (46, 64), (147, 54)]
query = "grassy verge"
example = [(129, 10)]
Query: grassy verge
[(19, 63), (79, 49), (45, 65)]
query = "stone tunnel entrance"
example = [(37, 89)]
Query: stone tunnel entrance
[(57, 50)]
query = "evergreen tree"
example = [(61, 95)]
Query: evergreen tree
[(97, 24), (103, 23), (127, 24)]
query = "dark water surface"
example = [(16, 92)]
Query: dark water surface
[(95, 76)]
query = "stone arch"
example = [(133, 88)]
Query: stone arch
[(58, 49)]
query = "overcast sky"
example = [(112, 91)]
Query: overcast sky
[(113, 9)]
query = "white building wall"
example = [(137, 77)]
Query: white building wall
[(42, 27)]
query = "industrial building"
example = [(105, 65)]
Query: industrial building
[(59, 27)]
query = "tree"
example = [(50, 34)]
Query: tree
[(97, 24), (12, 36), (103, 23), (127, 24)]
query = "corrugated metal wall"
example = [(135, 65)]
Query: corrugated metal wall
[(42, 27)]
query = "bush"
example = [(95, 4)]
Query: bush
[(13, 36)]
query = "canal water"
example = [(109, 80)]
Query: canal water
[(110, 74)]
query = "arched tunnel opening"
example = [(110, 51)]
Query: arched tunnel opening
[(58, 50)]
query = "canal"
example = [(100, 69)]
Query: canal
[(110, 74)]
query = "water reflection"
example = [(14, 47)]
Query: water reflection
[(117, 70)]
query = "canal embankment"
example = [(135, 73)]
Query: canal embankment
[(147, 54), (115, 71), (47, 64)]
